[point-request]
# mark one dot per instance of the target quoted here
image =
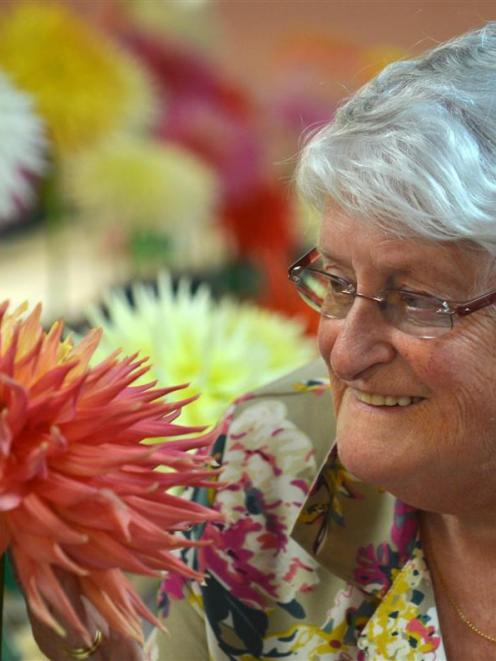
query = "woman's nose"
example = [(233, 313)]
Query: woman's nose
[(358, 342)]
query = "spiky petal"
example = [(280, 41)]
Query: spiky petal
[(77, 489)]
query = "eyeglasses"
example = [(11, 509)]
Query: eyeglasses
[(416, 314)]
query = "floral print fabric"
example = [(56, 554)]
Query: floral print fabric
[(309, 564)]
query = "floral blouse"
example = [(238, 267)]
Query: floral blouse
[(310, 564)]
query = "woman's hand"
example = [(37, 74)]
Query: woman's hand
[(113, 645)]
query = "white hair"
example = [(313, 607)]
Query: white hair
[(414, 150)]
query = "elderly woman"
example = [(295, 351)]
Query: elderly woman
[(389, 554)]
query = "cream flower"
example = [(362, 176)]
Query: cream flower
[(138, 182), (222, 348)]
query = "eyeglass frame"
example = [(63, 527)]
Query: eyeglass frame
[(451, 308)]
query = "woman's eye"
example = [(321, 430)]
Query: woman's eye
[(418, 301), (340, 284)]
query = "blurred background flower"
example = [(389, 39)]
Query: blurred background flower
[(222, 348), (155, 202), (146, 184), (84, 84), (23, 152)]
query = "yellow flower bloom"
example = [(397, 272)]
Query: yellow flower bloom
[(84, 86), (139, 182), (222, 348)]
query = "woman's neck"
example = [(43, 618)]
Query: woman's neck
[(462, 534), (461, 555)]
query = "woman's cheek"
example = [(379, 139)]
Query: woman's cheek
[(337, 390), (325, 340)]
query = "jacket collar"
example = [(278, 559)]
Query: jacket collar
[(357, 531)]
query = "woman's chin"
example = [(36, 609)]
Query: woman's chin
[(359, 462), (378, 445), (371, 457)]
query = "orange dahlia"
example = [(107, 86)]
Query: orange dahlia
[(77, 489)]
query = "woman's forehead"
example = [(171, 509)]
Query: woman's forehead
[(357, 244)]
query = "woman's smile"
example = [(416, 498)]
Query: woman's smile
[(377, 399)]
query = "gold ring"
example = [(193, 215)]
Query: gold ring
[(85, 652)]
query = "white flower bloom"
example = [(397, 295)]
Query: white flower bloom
[(22, 152)]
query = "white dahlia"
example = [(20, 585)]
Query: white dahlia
[(22, 156)]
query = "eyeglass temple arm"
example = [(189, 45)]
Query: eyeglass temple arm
[(476, 304), (303, 262)]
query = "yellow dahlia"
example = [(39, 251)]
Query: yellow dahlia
[(138, 182), (83, 84), (77, 490), (222, 348)]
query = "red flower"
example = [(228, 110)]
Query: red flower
[(77, 489)]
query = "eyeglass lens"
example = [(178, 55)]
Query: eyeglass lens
[(414, 314)]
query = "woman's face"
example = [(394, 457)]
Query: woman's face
[(438, 453)]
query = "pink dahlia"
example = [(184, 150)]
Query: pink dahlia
[(77, 489)]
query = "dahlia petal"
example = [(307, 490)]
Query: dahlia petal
[(165, 561), (120, 591), (86, 460), (34, 461), (31, 329), (16, 399), (44, 549), (10, 500), (127, 481), (150, 482), (25, 366), (3, 309), (53, 593), (50, 522), (86, 348), (106, 512), (5, 536), (8, 359), (46, 408), (110, 391), (26, 570), (146, 613), (186, 443), (35, 464), (84, 427), (164, 514), (115, 584), (100, 371), (126, 623), (5, 434), (65, 491), (108, 553), (48, 353), (53, 379), (187, 507), (57, 440), (157, 393), (148, 533)]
